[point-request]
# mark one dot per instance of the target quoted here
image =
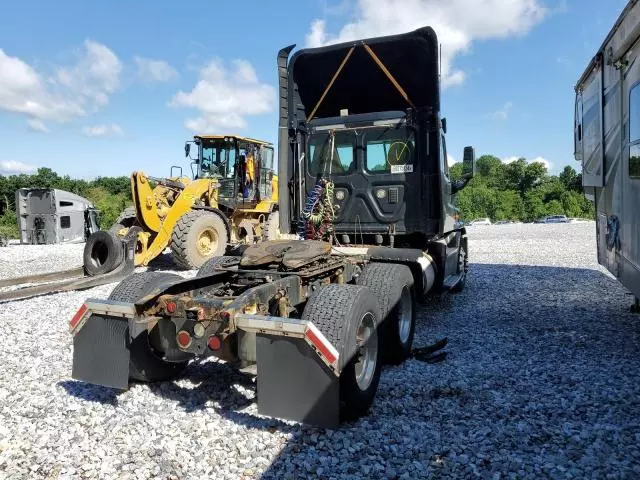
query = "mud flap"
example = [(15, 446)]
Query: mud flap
[(100, 353), (294, 384)]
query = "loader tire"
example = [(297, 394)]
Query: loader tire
[(145, 364), (103, 252), (393, 285), (126, 219), (198, 236), (342, 313), (272, 227)]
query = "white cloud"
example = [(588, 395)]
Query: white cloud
[(542, 160), (154, 70), (457, 23), (225, 97), (37, 125), (67, 94), (451, 160), (8, 167), (513, 158), (102, 130), (502, 113)]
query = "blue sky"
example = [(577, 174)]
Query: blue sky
[(91, 89)]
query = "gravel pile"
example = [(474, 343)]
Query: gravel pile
[(542, 380)]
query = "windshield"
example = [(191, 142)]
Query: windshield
[(389, 150), (321, 160), (218, 160)]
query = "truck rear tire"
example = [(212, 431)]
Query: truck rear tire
[(463, 266), (103, 252), (210, 265), (126, 219), (145, 364), (198, 236), (393, 285), (347, 316)]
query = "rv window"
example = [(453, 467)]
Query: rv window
[(65, 222), (634, 132), (64, 203)]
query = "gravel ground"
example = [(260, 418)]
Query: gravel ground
[(541, 381)]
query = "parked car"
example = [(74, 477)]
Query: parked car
[(556, 219), (480, 221), (504, 222)]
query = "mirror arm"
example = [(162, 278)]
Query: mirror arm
[(458, 185)]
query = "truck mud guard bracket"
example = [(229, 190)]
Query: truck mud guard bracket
[(298, 375)]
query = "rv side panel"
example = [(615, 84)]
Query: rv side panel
[(608, 113)]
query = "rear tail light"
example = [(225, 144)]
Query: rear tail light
[(183, 338), (171, 307), (214, 342)]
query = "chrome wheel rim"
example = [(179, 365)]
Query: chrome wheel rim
[(366, 351), (405, 315)]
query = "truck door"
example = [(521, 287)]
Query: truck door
[(448, 200)]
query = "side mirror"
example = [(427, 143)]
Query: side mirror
[(187, 149), (469, 163), (444, 125)]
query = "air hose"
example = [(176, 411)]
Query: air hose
[(318, 216)]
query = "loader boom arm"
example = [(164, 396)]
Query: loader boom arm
[(150, 216)]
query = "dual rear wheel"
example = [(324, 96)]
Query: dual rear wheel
[(370, 323)]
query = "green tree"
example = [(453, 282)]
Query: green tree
[(570, 179)]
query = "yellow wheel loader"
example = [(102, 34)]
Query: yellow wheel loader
[(231, 199)]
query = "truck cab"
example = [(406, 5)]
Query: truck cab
[(366, 116), (362, 120)]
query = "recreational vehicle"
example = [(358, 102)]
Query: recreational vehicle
[(607, 143)]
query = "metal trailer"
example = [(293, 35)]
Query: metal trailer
[(49, 215), (315, 313), (607, 143)]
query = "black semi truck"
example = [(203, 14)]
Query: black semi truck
[(367, 230)]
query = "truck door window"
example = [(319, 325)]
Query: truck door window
[(320, 160), (387, 147), (634, 132)]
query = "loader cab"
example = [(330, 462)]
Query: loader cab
[(243, 167)]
